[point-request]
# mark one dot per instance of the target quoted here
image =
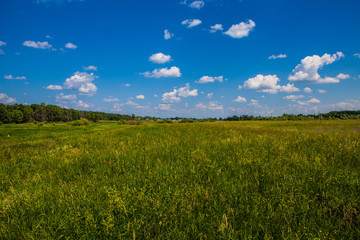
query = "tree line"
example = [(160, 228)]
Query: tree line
[(21, 113)]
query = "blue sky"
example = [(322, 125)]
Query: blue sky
[(166, 58)]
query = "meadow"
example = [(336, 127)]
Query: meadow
[(212, 180)]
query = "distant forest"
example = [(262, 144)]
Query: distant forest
[(20, 113)]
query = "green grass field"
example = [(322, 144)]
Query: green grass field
[(221, 180)]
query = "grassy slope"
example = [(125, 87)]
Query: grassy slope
[(248, 180)]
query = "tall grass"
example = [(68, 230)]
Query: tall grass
[(233, 180)]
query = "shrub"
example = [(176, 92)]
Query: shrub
[(122, 121), (166, 121), (187, 121), (80, 122), (133, 122)]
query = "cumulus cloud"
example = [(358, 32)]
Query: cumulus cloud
[(39, 45), (167, 34), (207, 79), (216, 27), (357, 55), (81, 82), (173, 72), (170, 97), (241, 30), (293, 97), (321, 91), (313, 100), (197, 4), (210, 95), (1, 52), (117, 107), (54, 87), (268, 84), (126, 85), (289, 88), (278, 56), (186, 92), (343, 76), (174, 96), (307, 70), (4, 98), (140, 97), (210, 106), (308, 90), (71, 46), (240, 99), (10, 77), (191, 22), (159, 58), (81, 104), (91, 68), (164, 107), (111, 99), (61, 98), (2, 43)]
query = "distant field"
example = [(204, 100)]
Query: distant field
[(221, 180)]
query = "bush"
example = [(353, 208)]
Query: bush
[(187, 121), (133, 122), (166, 121), (80, 122), (122, 121), (1, 123), (40, 124)]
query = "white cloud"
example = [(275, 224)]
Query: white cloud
[(91, 68), (210, 95), (81, 82), (159, 58), (321, 91), (313, 100), (268, 84), (39, 45), (71, 46), (81, 104), (343, 76), (163, 72), (10, 77), (126, 85), (197, 4), (307, 70), (278, 56), (210, 106), (207, 79), (186, 92), (111, 99), (2, 43), (174, 96), (357, 55), (140, 97), (54, 87), (117, 107), (167, 34), (241, 30), (289, 88), (307, 90), (48, 37), (293, 97), (4, 98), (352, 105), (191, 22), (216, 27), (61, 98), (155, 95), (164, 106), (170, 97), (240, 99), (183, 2), (1, 52)]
